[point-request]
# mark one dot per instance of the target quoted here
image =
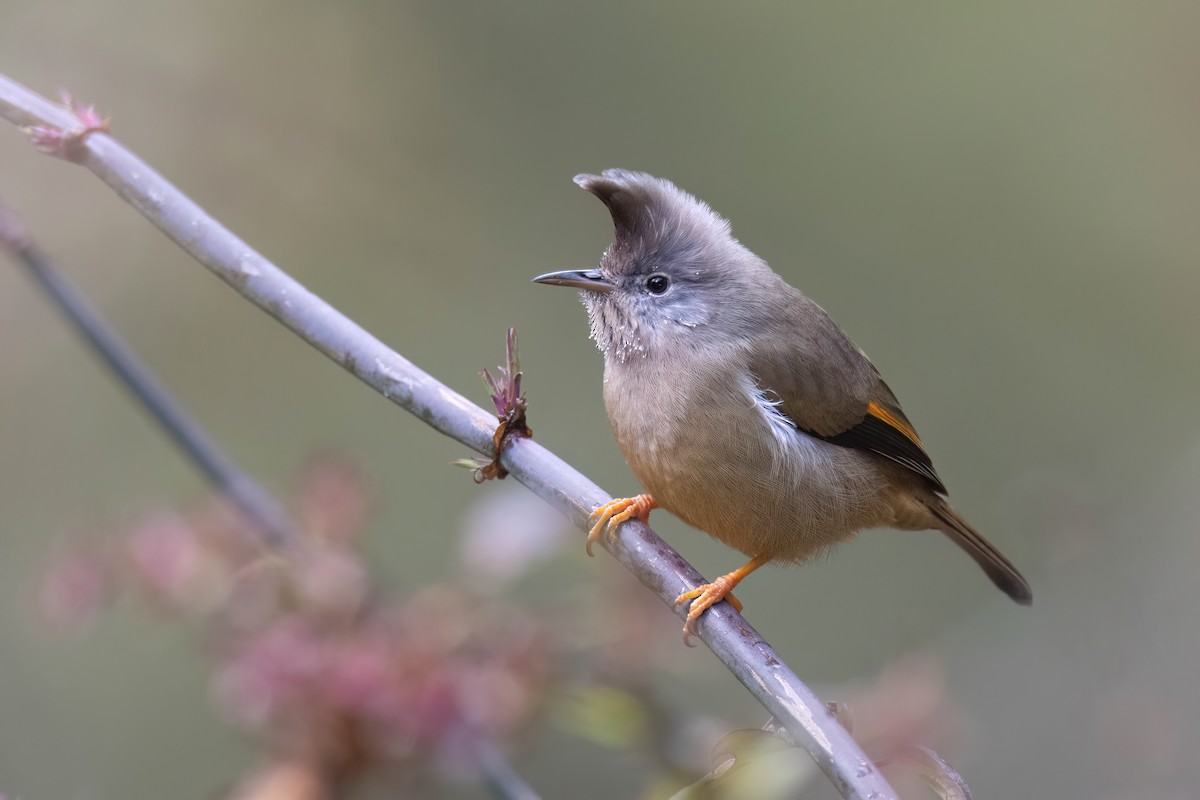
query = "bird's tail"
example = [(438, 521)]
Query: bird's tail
[(998, 568)]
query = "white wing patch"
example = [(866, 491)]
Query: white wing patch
[(768, 403), (801, 458)]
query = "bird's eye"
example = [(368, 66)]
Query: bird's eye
[(657, 284)]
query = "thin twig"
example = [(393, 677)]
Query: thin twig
[(245, 493), (637, 547)]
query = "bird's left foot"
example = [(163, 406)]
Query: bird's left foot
[(702, 598), (614, 512), (708, 595)]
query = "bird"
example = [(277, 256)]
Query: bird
[(739, 404)]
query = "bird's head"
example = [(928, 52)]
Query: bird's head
[(672, 272)]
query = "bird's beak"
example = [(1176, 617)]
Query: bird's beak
[(589, 280)]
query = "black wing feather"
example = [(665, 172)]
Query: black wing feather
[(877, 436)]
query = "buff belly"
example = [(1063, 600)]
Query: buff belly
[(750, 480)]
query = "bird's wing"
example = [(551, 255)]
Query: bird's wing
[(838, 395), (885, 430)]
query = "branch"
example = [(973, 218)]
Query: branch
[(246, 494), (655, 563)]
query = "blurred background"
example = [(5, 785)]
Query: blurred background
[(998, 202)]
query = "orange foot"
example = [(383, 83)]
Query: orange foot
[(703, 597), (614, 512)]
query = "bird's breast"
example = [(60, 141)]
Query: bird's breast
[(711, 449)]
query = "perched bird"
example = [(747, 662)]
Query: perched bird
[(741, 407)]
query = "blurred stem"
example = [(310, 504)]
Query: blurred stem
[(243, 491), (499, 775), (250, 497), (655, 563)]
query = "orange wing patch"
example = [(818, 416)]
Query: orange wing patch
[(888, 434), (899, 423)]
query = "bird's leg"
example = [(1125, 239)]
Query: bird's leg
[(614, 512), (712, 593)]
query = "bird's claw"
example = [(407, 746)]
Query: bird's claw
[(610, 515), (704, 597)]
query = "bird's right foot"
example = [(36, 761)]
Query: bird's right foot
[(608, 516)]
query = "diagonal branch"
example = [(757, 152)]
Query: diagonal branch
[(637, 547), (245, 493), (255, 502)]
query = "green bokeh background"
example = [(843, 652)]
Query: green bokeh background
[(998, 201)]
